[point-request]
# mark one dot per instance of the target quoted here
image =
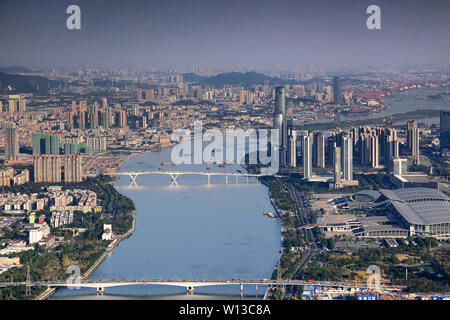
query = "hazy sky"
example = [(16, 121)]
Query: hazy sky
[(229, 32)]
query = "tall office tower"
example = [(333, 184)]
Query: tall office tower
[(413, 141), (73, 107), (121, 118), (307, 156), (11, 144), (292, 151), (399, 166), (280, 123), (444, 127), (347, 158), (52, 144), (337, 90), (373, 150), (319, 150), (47, 168), (337, 166), (73, 171)]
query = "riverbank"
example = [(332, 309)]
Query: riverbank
[(50, 291)]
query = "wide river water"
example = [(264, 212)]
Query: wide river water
[(190, 230), (406, 101), (195, 230)]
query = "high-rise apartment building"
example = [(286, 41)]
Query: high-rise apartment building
[(337, 166), (11, 144), (444, 127), (47, 168), (307, 156), (73, 171), (374, 153), (292, 148), (347, 158), (319, 150)]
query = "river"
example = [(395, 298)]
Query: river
[(406, 101), (190, 230)]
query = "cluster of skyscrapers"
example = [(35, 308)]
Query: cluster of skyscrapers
[(371, 147), (83, 117)]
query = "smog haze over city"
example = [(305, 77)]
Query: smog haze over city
[(224, 33)]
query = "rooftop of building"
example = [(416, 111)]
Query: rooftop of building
[(420, 206)]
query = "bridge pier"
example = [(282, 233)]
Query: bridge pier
[(133, 179), (209, 179), (100, 291), (190, 290), (242, 290), (174, 178)]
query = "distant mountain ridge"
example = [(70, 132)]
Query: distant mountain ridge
[(25, 83), (234, 78), (15, 69)]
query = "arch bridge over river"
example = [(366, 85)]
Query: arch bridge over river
[(175, 174)]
